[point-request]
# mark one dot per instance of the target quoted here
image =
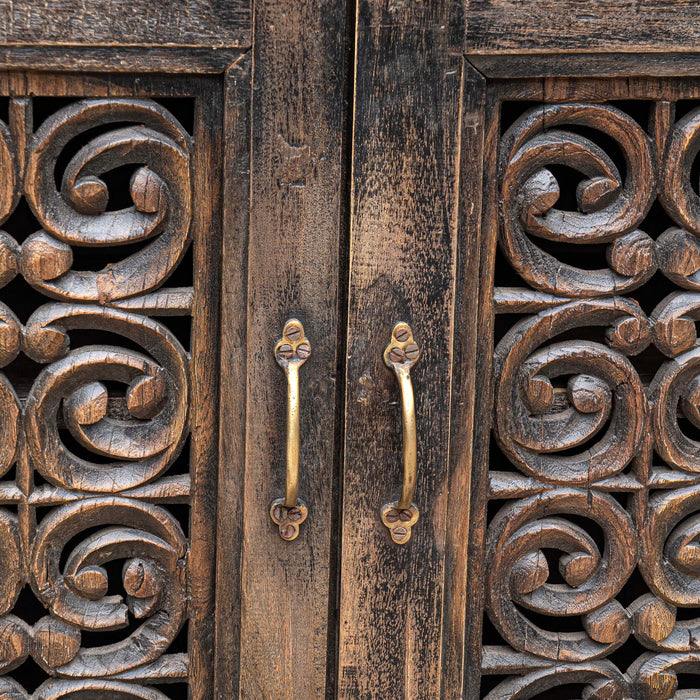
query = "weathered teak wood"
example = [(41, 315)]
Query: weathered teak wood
[(234, 272), (556, 26), (591, 398), (121, 497), (295, 229), (117, 23), (408, 81)]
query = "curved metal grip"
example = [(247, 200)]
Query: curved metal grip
[(400, 355), (291, 351)]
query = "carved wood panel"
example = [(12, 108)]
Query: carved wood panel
[(96, 208), (586, 514)]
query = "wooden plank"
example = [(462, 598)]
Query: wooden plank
[(408, 84), (586, 64), (483, 406), (464, 381), (296, 181), (565, 89), (591, 26), (215, 23), (122, 59), (236, 203), (204, 412)]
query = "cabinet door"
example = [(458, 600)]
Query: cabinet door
[(110, 264), (585, 495), (531, 213), (397, 585)]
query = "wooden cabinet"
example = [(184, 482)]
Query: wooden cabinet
[(349, 350)]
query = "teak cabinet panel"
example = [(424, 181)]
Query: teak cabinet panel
[(514, 184)]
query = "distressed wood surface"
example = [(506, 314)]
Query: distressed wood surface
[(234, 271), (584, 501), (118, 59), (408, 80), (296, 184), (107, 519), (584, 26), (206, 377), (465, 380), (627, 65), (216, 23)]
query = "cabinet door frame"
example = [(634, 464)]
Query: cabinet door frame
[(550, 79), (208, 69)]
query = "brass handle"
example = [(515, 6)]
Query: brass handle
[(291, 351), (400, 355)]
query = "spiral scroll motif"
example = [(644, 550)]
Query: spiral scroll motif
[(77, 215), (156, 397), (591, 550), (152, 545), (518, 572), (604, 389), (95, 398), (610, 208), (602, 680)]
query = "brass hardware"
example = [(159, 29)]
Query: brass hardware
[(400, 355), (292, 350)]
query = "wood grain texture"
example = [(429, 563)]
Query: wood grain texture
[(109, 483), (296, 181), (465, 377), (408, 83), (234, 272), (215, 23), (118, 59), (581, 444), (204, 414), (553, 26), (601, 65)]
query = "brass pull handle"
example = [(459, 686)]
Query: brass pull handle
[(400, 355), (291, 351)]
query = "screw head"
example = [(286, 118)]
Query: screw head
[(411, 351), (278, 513), (294, 514), (402, 334), (396, 355), (285, 351), (400, 533), (288, 532), (292, 332), (303, 351), (392, 516), (405, 516)]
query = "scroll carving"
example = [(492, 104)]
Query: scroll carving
[(610, 207), (76, 215), (156, 397), (604, 389), (90, 440), (592, 550), (153, 548)]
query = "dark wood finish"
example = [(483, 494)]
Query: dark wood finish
[(408, 80), (601, 478), (232, 455), (557, 26), (114, 23), (108, 495), (601, 65), (124, 59), (466, 382), (295, 229)]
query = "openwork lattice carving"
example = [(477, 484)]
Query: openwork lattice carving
[(91, 454), (592, 545)]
